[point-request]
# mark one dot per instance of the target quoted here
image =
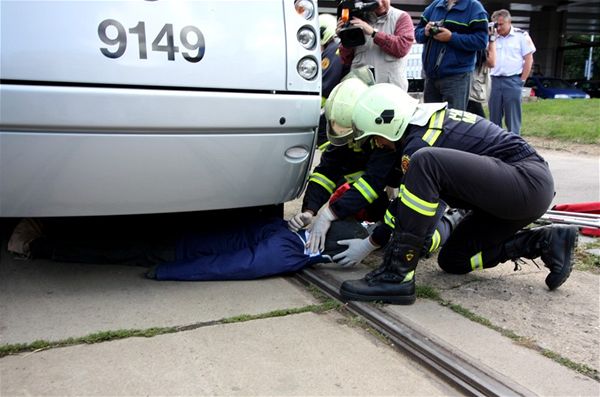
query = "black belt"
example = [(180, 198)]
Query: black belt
[(508, 77)]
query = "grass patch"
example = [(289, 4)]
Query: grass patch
[(568, 120), (105, 336), (586, 261)]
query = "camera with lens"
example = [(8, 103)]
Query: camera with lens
[(353, 36), (492, 26), (435, 27)]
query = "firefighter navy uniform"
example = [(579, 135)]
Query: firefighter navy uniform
[(366, 168), (471, 163)]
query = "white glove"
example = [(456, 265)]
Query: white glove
[(358, 249), (319, 228), (299, 221)]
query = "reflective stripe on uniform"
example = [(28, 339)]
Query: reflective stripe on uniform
[(389, 219), (351, 178), (435, 241), (323, 181), (435, 127), (416, 204), (409, 276), (366, 190), (477, 261), (324, 146)]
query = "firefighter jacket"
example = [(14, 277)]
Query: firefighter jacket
[(366, 168), (456, 129), (453, 129)]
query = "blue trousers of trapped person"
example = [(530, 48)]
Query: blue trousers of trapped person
[(244, 252)]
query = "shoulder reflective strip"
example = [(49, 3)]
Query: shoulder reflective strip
[(409, 276), (435, 241), (366, 190), (324, 146), (416, 204), (323, 181), (351, 178), (435, 127), (477, 262), (389, 219)]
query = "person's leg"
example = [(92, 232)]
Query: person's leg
[(277, 251), (475, 108), (474, 245), (512, 104), (495, 102), (455, 90), (431, 92), (506, 191)]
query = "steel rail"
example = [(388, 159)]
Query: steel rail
[(472, 379)]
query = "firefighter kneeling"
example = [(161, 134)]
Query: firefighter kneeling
[(469, 163)]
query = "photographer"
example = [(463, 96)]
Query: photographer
[(389, 36), (452, 31)]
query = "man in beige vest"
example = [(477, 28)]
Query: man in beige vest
[(389, 35)]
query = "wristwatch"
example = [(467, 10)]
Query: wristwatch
[(492, 38), (374, 33)]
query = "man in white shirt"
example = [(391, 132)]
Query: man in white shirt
[(514, 58)]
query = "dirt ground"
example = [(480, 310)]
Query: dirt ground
[(565, 321)]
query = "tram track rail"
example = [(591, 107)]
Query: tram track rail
[(464, 374)]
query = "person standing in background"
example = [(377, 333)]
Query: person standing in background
[(513, 63), (389, 36), (331, 66), (452, 31), (480, 78)]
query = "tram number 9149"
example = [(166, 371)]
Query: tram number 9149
[(118, 42)]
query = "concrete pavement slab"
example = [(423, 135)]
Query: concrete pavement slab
[(304, 354), (524, 366), (51, 301), (556, 330), (576, 177)]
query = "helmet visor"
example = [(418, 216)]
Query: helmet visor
[(338, 135)]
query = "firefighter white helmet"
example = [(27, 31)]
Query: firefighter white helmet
[(338, 110), (327, 26), (383, 110)]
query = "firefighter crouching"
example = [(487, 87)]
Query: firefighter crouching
[(469, 163), (351, 179)]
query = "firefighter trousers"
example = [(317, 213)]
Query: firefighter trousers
[(503, 197)]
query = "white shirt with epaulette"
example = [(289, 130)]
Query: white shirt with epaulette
[(510, 51)]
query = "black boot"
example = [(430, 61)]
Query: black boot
[(394, 281), (554, 244)]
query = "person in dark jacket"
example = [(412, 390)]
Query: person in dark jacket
[(331, 66), (469, 163), (452, 32)]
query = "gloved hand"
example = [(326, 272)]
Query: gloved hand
[(299, 221), (319, 228), (358, 249)]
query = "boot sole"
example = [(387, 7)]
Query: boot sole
[(394, 300), (572, 238)]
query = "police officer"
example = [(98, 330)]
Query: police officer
[(514, 59), (469, 163)]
